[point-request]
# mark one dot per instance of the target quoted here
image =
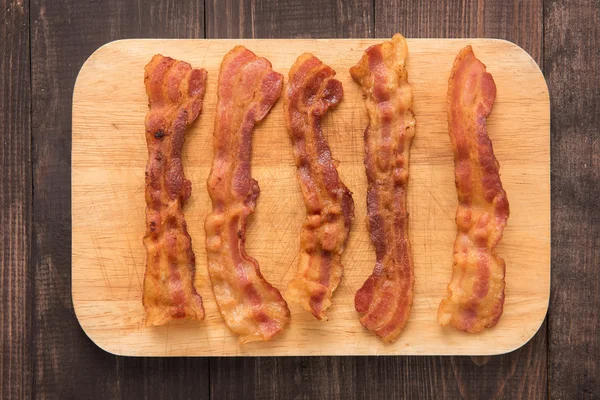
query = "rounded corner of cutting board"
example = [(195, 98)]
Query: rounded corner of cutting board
[(524, 339), (529, 60), (97, 340), (509, 349), (98, 53)]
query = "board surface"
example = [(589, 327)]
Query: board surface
[(108, 162)]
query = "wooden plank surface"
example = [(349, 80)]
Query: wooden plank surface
[(108, 259), (67, 364), (302, 19), (572, 60), (68, 32), (15, 202)]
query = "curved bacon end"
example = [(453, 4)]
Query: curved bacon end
[(476, 292), (175, 92), (385, 299), (251, 307), (329, 205)]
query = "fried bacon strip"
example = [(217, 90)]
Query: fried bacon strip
[(329, 206), (385, 299), (476, 292), (251, 307), (175, 92)]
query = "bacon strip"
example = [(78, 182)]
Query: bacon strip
[(251, 307), (476, 292), (385, 299), (329, 205), (175, 92)]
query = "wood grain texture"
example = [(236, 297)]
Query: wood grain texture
[(572, 60), (75, 29), (15, 202), (512, 376), (515, 20), (108, 204), (288, 18), (67, 363)]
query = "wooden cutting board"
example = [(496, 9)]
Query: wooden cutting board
[(109, 157)]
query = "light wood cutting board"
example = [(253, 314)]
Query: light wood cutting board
[(109, 157)]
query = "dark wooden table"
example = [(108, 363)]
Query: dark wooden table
[(44, 352)]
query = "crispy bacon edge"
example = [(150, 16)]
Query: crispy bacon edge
[(476, 292), (175, 93), (385, 299), (251, 307), (311, 91)]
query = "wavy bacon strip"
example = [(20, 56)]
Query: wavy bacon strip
[(476, 292), (385, 299), (251, 307), (329, 205), (175, 92)]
